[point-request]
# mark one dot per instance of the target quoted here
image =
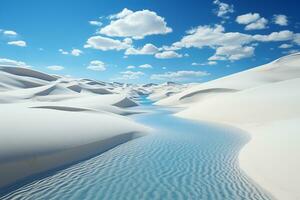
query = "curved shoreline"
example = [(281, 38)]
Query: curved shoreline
[(261, 158), (187, 159), (18, 171)]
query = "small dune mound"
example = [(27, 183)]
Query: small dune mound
[(75, 88), (28, 73), (63, 108), (125, 103), (53, 90), (95, 83)]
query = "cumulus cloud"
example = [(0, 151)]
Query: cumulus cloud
[(105, 44), (253, 21), (148, 49), (167, 55), (19, 43), (135, 24), (179, 75), (76, 52), (233, 53), (131, 75), (212, 36), (247, 18), (223, 9), (96, 65), (257, 25), (281, 20), (55, 67), (215, 37), (275, 36), (13, 63), (9, 33)]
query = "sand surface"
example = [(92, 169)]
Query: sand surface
[(265, 102)]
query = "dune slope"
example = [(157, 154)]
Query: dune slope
[(51, 121), (264, 101)]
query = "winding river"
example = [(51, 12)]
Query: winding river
[(181, 159)]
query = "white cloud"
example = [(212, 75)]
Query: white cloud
[(179, 75), (223, 9), (148, 49), (291, 51), (253, 20), (131, 74), (55, 67), (95, 23), (63, 51), (19, 43), (247, 18), (76, 52), (135, 24), (204, 64), (258, 25), (13, 63), (215, 37), (281, 20), (127, 41), (275, 36), (130, 67), (121, 14), (145, 66), (212, 63), (167, 55), (105, 44), (212, 36), (285, 46), (233, 53), (216, 57), (10, 33), (296, 38), (96, 65)]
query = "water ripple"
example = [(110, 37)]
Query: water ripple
[(182, 160)]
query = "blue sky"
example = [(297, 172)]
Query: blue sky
[(146, 41)]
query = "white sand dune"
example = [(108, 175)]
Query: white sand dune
[(265, 101), (51, 121), (158, 92)]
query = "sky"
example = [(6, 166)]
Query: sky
[(143, 41)]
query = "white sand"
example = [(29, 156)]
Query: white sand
[(50, 121), (161, 91), (264, 101)]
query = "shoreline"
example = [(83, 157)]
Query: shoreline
[(50, 139), (261, 158), (23, 170)]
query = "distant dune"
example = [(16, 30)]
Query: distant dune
[(50, 121), (265, 101)]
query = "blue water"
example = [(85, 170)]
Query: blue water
[(181, 159)]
